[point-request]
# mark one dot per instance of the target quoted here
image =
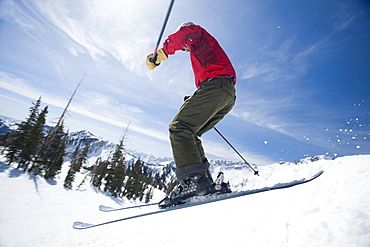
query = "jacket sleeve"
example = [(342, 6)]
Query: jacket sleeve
[(182, 39)]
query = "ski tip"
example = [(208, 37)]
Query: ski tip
[(315, 176), (319, 173), (105, 208), (81, 225)]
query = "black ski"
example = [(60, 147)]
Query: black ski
[(196, 202)]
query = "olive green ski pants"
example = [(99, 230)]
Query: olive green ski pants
[(203, 110)]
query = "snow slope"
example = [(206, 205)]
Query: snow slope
[(333, 210)]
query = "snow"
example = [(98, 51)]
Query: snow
[(333, 210)]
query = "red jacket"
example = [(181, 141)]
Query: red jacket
[(207, 57)]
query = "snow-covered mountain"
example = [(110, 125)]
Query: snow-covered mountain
[(7, 124), (103, 148), (333, 210)]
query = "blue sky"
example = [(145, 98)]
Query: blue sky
[(303, 71)]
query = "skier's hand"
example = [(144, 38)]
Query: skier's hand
[(153, 62)]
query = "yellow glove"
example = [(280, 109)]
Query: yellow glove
[(152, 63)]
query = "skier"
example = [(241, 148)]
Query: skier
[(215, 78)]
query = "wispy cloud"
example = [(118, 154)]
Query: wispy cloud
[(280, 65), (17, 85), (109, 110), (117, 28), (349, 15)]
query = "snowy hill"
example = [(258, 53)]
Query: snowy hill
[(333, 210), (7, 124)]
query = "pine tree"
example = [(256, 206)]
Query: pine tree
[(139, 182), (78, 159), (28, 145), (99, 172), (116, 172), (72, 169), (135, 188), (158, 182), (149, 195), (12, 147), (23, 144), (36, 138), (54, 157), (53, 150), (4, 141)]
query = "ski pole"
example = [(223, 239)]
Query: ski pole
[(163, 27), (255, 172)]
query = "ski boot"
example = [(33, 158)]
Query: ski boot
[(194, 186)]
